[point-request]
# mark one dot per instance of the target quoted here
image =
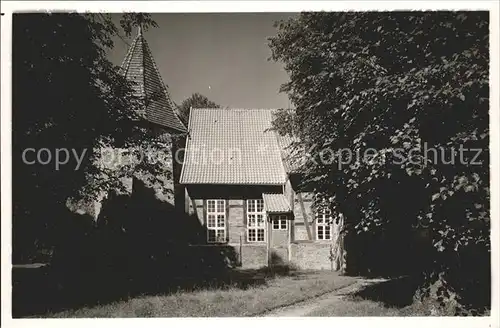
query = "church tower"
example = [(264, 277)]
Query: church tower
[(159, 110), (158, 115), (140, 67)]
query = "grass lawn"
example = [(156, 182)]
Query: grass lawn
[(393, 297), (233, 301), (355, 306)]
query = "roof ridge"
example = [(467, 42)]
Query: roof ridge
[(234, 109), (163, 85), (124, 67), (188, 137), (140, 67)]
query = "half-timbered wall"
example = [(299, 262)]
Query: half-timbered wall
[(252, 254), (304, 250)]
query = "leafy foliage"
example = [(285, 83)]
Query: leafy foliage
[(195, 101), (403, 94), (131, 20), (68, 96)]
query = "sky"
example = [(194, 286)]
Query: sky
[(223, 56)]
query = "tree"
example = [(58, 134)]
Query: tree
[(391, 86), (69, 101), (195, 101)]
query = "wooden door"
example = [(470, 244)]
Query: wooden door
[(279, 238)]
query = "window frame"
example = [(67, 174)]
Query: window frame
[(323, 220), (280, 218), (256, 203), (219, 209)]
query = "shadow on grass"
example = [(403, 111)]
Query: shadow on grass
[(397, 292), (138, 246), (40, 291)]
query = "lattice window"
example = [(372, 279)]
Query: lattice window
[(256, 223), (280, 222), (216, 221), (323, 224)]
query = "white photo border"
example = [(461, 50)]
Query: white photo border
[(8, 7)]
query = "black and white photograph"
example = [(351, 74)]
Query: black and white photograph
[(270, 163)]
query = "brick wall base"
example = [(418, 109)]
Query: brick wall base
[(311, 256), (306, 256), (253, 257)]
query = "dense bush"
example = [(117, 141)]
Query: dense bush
[(391, 86)]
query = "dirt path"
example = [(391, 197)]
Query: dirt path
[(305, 308)]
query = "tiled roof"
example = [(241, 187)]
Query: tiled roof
[(276, 203), (232, 146), (139, 67), (292, 158)]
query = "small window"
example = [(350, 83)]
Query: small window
[(280, 222), (323, 224), (216, 221), (256, 224)]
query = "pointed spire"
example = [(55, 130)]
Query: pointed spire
[(140, 67)]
